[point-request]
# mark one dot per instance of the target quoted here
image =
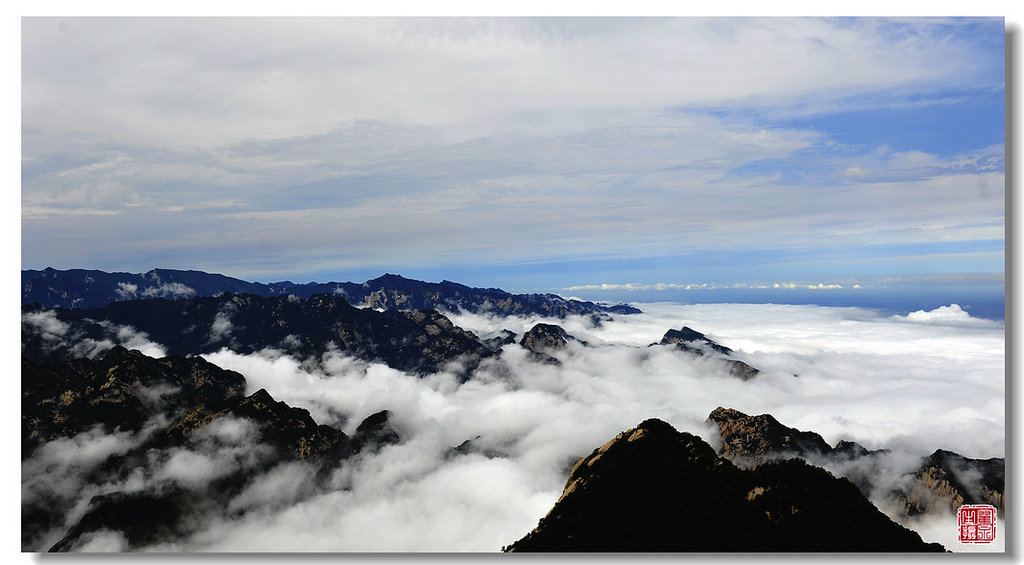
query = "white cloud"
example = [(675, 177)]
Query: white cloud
[(298, 75), (169, 290), (846, 373), (102, 541), (952, 315), (222, 327), (46, 324), (126, 290), (880, 381), (707, 286)]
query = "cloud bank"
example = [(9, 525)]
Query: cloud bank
[(846, 373)]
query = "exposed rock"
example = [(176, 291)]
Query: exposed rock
[(691, 340), (947, 480), (654, 489), (546, 336), (543, 338), (751, 440)]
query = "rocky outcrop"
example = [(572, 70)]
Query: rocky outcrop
[(375, 431), (695, 343), (947, 480), (545, 338), (654, 489), (751, 440), (503, 338), (691, 340)]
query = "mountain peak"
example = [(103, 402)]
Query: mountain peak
[(653, 488)]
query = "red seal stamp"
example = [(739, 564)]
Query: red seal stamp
[(976, 523)]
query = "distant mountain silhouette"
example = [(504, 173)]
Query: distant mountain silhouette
[(80, 288)]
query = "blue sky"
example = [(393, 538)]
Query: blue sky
[(582, 156)]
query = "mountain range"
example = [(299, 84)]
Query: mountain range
[(767, 487), (419, 341), (81, 288)]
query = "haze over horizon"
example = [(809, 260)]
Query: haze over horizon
[(610, 158)]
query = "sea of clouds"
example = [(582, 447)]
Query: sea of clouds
[(910, 384)]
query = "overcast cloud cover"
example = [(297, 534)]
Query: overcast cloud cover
[(520, 153)]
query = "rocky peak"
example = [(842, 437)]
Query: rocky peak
[(692, 340), (545, 336), (652, 488), (750, 440), (375, 431), (947, 480)]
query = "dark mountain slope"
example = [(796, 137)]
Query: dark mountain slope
[(423, 341), (654, 489), (137, 416), (693, 342), (122, 391)]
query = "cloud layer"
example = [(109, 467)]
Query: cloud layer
[(906, 384), (304, 148)]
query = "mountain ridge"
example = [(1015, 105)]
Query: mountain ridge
[(90, 288), (653, 488)]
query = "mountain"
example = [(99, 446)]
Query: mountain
[(542, 339), (940, 484), (751, 440), (134, 415), (80, 288), (947, 480), (423, 341), (655, 489), (692, 342)]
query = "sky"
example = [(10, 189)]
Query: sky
[(907, 383), (594, 157)]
